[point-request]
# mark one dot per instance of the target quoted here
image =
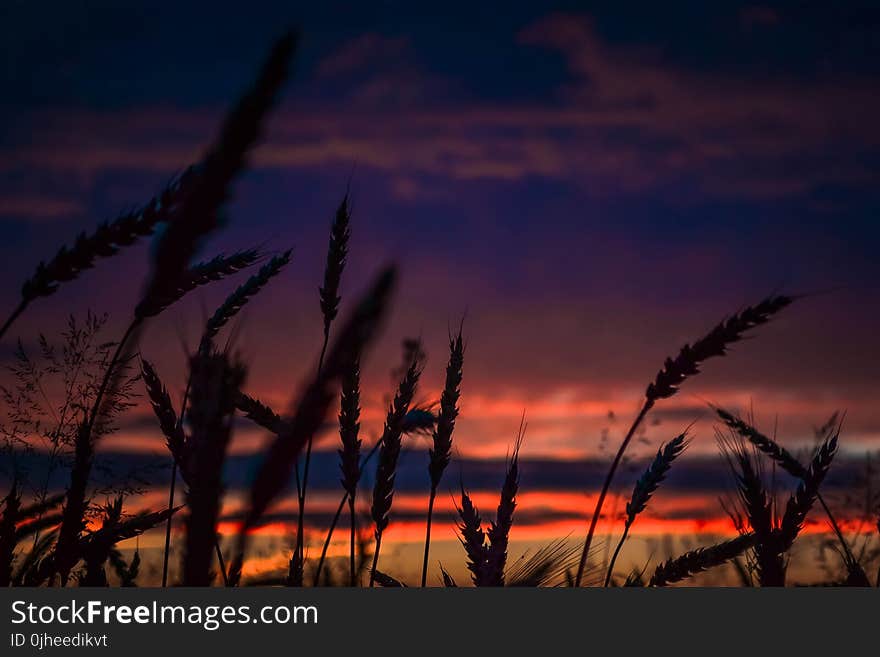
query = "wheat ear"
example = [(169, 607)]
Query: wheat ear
[(668, 380), (646, 486), (389, 453), (441, 451)]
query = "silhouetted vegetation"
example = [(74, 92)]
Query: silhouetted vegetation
[(50, 538)]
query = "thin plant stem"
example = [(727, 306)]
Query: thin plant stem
[(108, 373), (351, 556), (375, 558), (333, 524), (616, 552), (220, 561), (168, 524), (300, 522), (835, 526), (363, 464), (15, 315), (76, 494), (428, 535), (605, 486), (171, 490)]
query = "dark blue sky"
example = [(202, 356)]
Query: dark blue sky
[(110, 54)]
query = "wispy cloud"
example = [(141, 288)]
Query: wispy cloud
[(623, 121), (38, 208)]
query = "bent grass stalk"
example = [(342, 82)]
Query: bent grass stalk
[(675, 371)]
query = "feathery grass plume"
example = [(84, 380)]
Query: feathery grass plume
[(198, 211), (215, 381), (448, 581), (646, 486), (194, 215), (758, 509), (440, 453), (801, 502), (107, 240), (259, 413), (499, 529), (8, 539), (473, 539), (76, 504), (546, 567), (670, 378), (199, 274), (242, 294), (153, 303), (389, 452), (385, 580), (329, 296), (696, 561), (104, 405), (353, 339), (788, 462)]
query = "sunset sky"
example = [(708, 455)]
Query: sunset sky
[(589, 185)]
